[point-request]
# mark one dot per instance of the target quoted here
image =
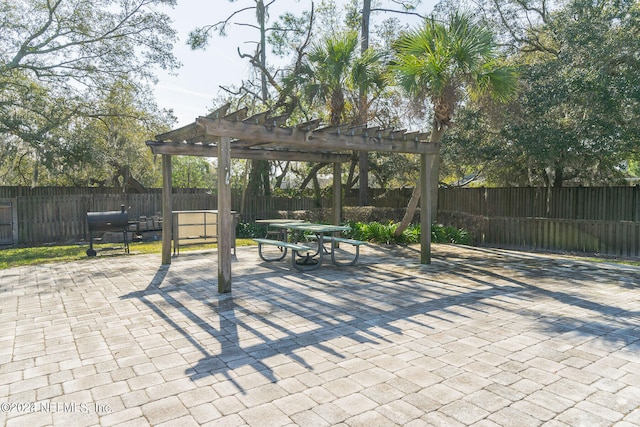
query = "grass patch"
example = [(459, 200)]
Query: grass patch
[(15, 257), (609, 260)]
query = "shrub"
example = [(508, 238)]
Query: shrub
[(248, 230), (365, 214), (449, 234), (411, 234), (384, 233)]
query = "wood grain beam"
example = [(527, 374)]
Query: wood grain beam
[(220, 112), (167, 209), (225, 220), (310, 140), (192, 131), (207, 150)]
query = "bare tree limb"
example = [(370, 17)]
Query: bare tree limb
[(402, 12)]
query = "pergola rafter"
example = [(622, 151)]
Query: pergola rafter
[(265, 137)]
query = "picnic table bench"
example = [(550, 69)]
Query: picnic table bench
[(310, 257), (351, 242), (335, 241), (295, 248)]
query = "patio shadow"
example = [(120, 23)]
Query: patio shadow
[(276, 312)]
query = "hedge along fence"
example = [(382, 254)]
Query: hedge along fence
[(349, 213)]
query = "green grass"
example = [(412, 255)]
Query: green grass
[(610, 260), (15, 257)]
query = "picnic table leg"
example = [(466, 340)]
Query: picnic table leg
[(319, 239), (338, 263), (309, 262), (284, 254)]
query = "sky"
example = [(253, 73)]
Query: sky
[(190, 92)]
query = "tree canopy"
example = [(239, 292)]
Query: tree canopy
[(575, 119), (76, 106), (61, 59)]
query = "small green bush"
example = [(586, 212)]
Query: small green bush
[(449, 234), (411, 234), (249, 230), (384, 233)]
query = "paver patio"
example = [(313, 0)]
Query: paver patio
[(482, 337)]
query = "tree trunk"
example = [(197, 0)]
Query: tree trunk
[(351, 178), (317, 191), (280, 178), (363, 196), (558, 176), (34, 177), (337, 107), (434, 180), (257, 185), (411, 210), (266, 185), (363, 166), (261, 13), (312, 174), (436, 135), (245, 186)]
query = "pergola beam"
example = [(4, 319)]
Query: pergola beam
[(189, 132), (167, 209), (310, 140), (207, 150)]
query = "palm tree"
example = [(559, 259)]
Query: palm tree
[(337, 75), (330, 62), (449, 63)]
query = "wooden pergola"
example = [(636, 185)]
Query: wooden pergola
[(228, 135)]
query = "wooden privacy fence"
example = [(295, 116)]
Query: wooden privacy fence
[(62, 217), (602, 220), (8, 222), (596, 203), (616, 238)]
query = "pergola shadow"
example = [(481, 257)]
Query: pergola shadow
[(286, 313)]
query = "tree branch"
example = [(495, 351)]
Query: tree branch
[(402, 12)]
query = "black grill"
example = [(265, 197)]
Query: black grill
[(114, 221)]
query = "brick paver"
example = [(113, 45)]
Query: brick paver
[(483, 337)]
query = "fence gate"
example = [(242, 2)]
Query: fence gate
[(8, 231)]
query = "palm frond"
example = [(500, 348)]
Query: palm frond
[(461, 53)]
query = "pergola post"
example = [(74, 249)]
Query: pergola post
[(426, 164), (167, 209), (337, 193), (225, 219)]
